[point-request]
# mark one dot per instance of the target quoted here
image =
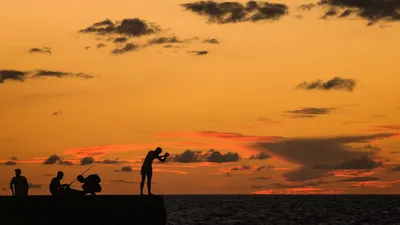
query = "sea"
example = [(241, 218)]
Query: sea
[(282, 209)]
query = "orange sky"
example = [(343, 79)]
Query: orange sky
[(241, 97)]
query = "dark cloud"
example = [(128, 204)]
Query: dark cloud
[(126, 48), (129, 27), (218, 157), (59, 74), (242, 167), (261, 156), (190, 156), (10, 163), (330, 12), (211, 41), (309, 112), (334, 151), (87, 161), (257, 186), (12, 75), (164, 40), (308, 6), (111, 161), (56, 113), (363, 162), (101, 45), (87, 48), (199, 52), (120, 40), (371, 10), (38, 186), (123, 182), (396, 168), (54, 159), (14, 158), (127, 169), (261, 168), (261, 178), (336, 83), (40, 50), (359, 179), (234, 12), (22, 76), (65, 162)]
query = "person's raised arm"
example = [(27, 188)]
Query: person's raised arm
[(11, 186), (162, 158)]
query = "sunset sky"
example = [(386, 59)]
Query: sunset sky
[(247, 98)]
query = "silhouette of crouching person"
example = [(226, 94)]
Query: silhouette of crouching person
[(91, 184), (58, 189)]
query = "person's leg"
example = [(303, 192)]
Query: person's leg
[(149, 176), (142, 183)]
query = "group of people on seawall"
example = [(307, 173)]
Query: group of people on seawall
[(91, 184)]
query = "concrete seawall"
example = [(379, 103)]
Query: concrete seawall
[(88, 210)]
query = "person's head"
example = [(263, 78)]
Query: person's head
[(81, 178), (158, 150), (60, 175), (17, 172)]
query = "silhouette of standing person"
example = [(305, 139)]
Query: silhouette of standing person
[(55, 185), (147, 169), (19, 184)]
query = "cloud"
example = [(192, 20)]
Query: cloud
[(124, 182), (242, 167), (101, 45), (126, 169), (111, 161), (59, 74), (129, 27), (190, 156), (120, 40), (211, 41), (234, 12), (10, 163), (359, 179), (371, 10), (308, 6), (87, 161), (54, 159), (126, 48), (309, 152), (363, 162), (40, 50), (56, 113), (261, 156), (199, 52), (336, 83), (164, 40), (14, 158), (260, 178), (38, 186), (309, 112), (12, 75), (87, 48), (396, 168)]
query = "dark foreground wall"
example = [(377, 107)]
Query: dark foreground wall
[(88, 210)]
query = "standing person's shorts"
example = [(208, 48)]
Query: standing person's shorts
[(146, 171)]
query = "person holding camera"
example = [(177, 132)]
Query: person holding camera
[(147, 169)]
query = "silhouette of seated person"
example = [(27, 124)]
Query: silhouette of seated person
[(19, 184), (147, 169), (56, 189), (91, 184)]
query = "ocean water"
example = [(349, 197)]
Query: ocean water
[(283, 209)]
